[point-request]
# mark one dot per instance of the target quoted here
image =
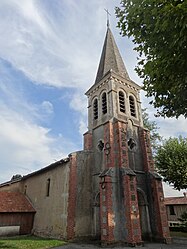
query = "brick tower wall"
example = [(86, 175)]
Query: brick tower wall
[(79, 222), (119, 206), (155, 195), (122, 180)]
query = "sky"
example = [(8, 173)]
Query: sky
[(49, 55)]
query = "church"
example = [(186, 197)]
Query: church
[(108, 191)]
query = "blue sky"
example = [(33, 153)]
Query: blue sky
[(49, 54)]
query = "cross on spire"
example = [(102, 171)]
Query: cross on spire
[(108, 14)]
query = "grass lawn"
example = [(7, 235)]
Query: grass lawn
[(29, 242), (178, 234)]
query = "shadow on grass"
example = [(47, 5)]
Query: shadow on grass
[(3, 245), (29, 242), (25, 237)]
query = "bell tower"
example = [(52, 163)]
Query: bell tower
[(113, 89), (127, 199)]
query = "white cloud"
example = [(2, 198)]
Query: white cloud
[(47, 107), (168, 127), (22, 142), (46, 45), (26, 146), (172, 127), (82, 126), (30, 12), (78, 102)]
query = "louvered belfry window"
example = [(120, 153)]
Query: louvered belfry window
[(132, 106), (104, 103), (95, 109), (122, 102)]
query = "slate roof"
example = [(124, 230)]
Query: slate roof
[(14, 202), (110, 59), (182, 200)]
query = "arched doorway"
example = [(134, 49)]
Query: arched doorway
[(144, 215)]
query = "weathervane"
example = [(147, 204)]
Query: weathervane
[(108, 14)]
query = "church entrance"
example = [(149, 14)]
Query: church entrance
[(144, 215)]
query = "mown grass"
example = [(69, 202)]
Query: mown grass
[(29, 242), (178, 234)]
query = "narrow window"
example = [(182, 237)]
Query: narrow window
[(104, 103), (171, 210), (25, 189), (132, 106), (48, 187), (95, 109), (121, 102)]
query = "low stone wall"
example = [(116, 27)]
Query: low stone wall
[(9, 230)]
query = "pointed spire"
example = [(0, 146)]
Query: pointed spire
[(110, 58)]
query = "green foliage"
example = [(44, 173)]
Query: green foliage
[(183, 219), (155, 138), (159, 31), (29, 242), (171, 162)]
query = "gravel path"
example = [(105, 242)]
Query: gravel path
[(146, 246)]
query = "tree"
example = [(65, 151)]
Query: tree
[(16, 177), (183, 219), (159, 31), (155, 138), (171, 162)]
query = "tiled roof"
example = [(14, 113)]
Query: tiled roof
[(12, 202), (182, 200)]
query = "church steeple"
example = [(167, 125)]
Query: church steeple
[(114, 94), (125, 189), (110, 59)]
